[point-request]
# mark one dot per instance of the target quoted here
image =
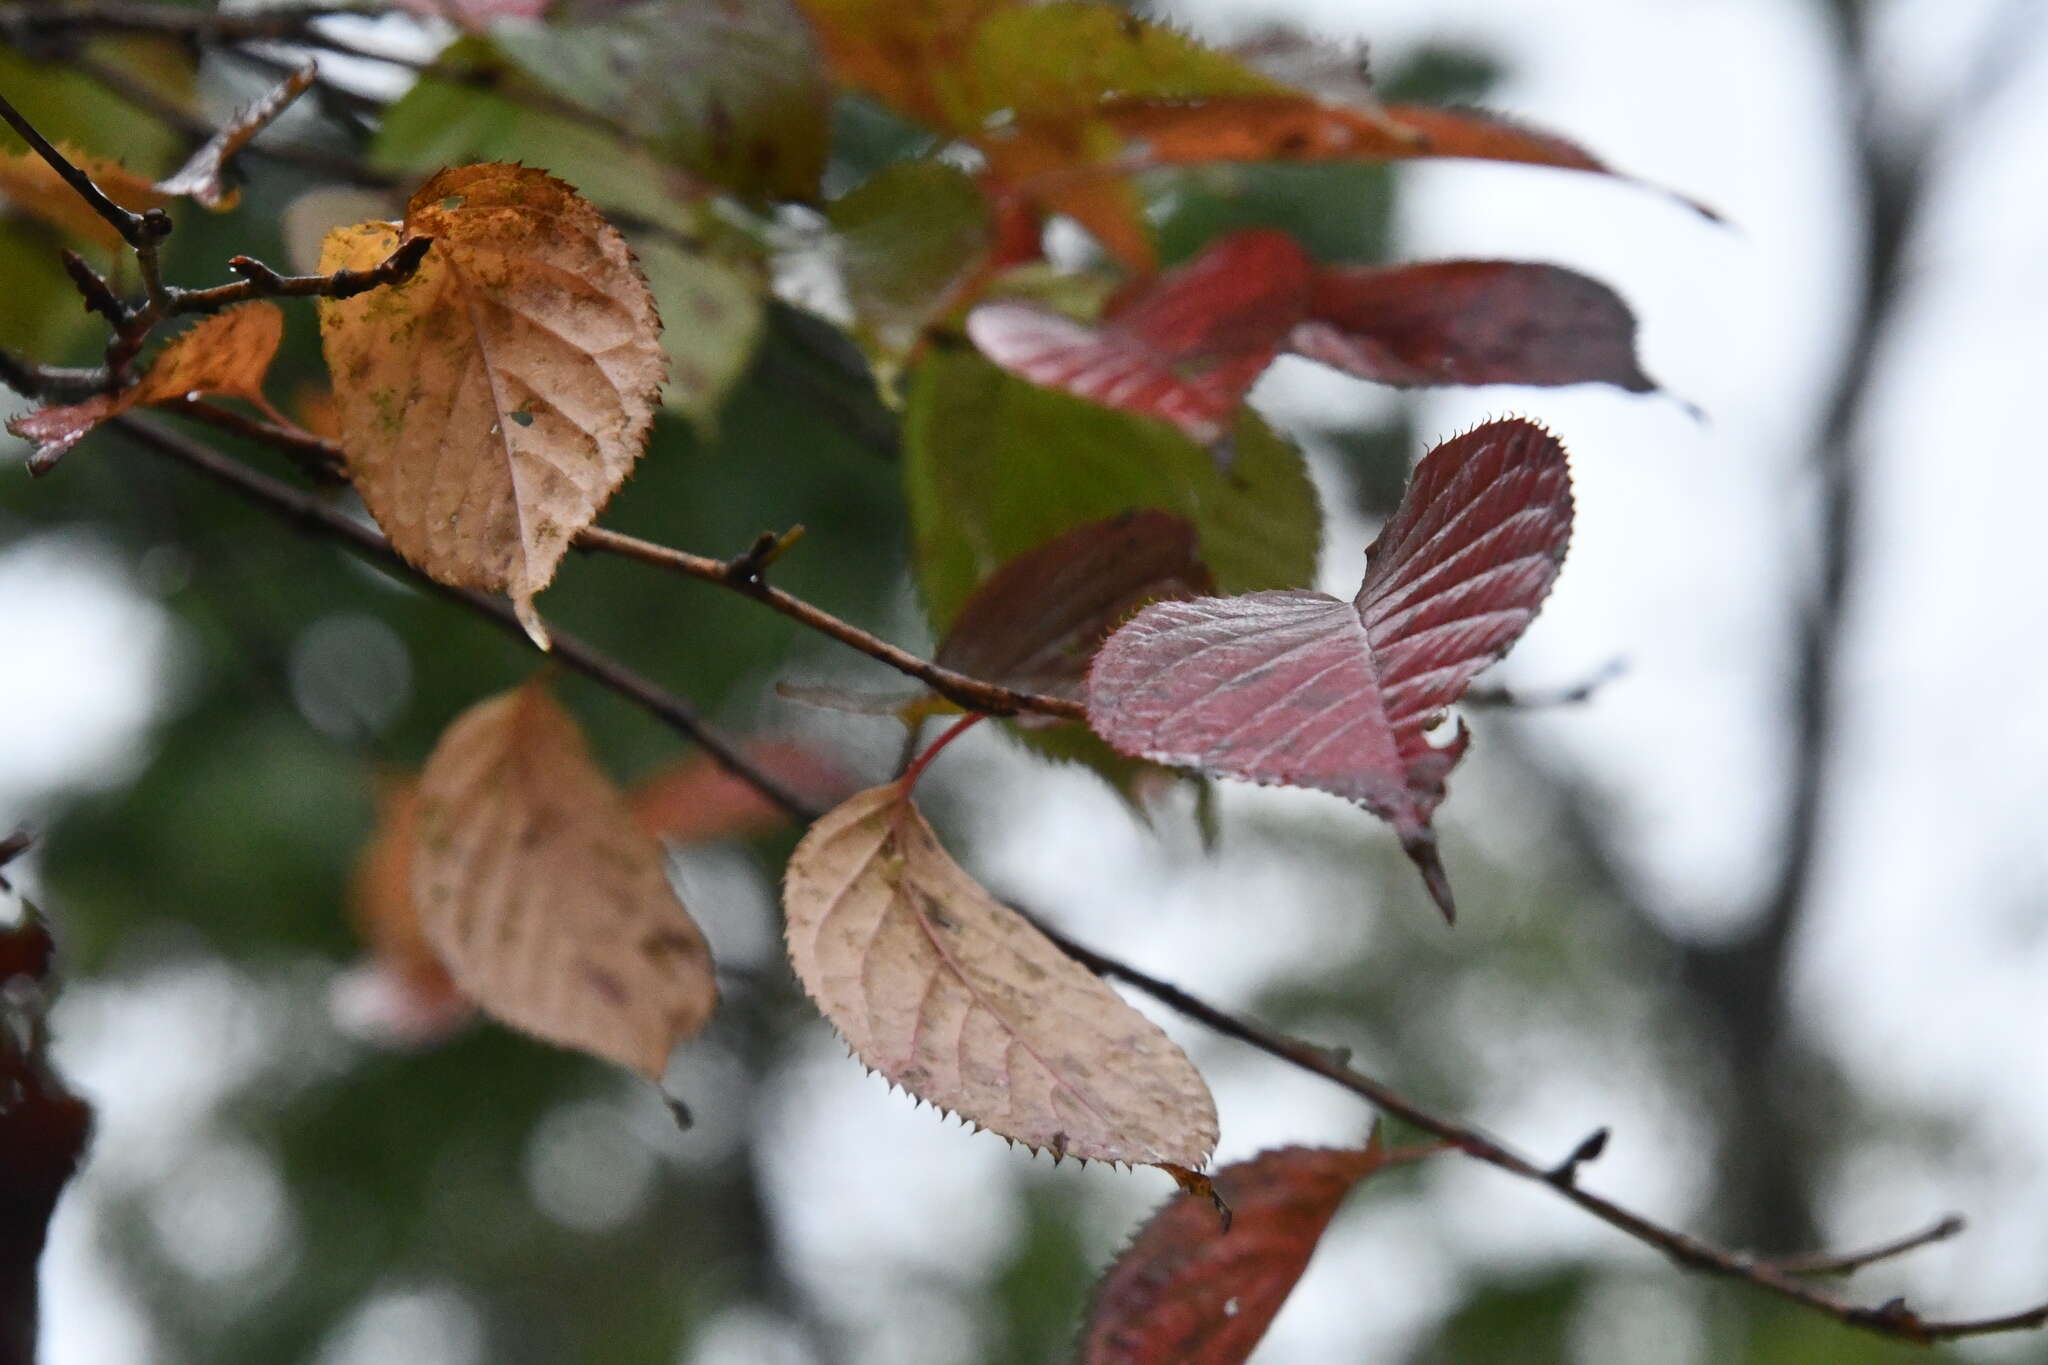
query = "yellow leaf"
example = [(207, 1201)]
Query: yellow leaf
[(958, 999), (545, 900), (492, 403), (226, 355)]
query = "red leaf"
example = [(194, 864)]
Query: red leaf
[(1185, 350), (1471, 322), (1188, 1292), (1039, 619), (1303, 689)]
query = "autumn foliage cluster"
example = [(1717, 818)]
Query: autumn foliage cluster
[(1112, 548)]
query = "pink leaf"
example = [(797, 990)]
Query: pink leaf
[(1186, 350), (1471, 322), (1305, 690)]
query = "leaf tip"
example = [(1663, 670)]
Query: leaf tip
[(529, 621), (1420, 846)]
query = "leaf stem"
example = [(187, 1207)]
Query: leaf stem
[(924, 760)]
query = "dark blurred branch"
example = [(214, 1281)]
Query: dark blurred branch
[(1894, 1319)]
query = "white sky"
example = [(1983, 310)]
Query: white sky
[(1924, 963)]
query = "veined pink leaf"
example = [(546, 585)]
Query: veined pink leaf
[(1306, 690), (1471, 322), (1185, 350), (1189, 1291)]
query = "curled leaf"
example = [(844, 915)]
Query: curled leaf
[(1306, 690), (548, 904), (1193, 1289), (492, 403), (402, 992), (226, 355), (954, 996)]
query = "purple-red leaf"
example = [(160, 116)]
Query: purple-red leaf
[(1036, 623), (1187, 347), (1471, 322), (1303, 689), (1189, 1292), (1185, 350)]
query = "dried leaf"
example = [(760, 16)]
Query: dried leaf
[(33, 186), (1191, 1290), (546, 902), (698, 799), (1307, 690), (1035, 625), (203, 177), (226, 355), (952, 995), (1186, 350), (494, 401), (404, 991), (1471, 322)]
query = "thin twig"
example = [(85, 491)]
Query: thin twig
[(1849, 1262), (259, 281), (1892, 1319), (134, 228), (972, 693), (308, 511)]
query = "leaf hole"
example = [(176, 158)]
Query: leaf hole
[(1440, 731), (523, 417), (451, 202)]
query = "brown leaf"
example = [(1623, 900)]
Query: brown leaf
[(1193, 1290), (1036, 623), (1289, 127), (548, 904), (33, 186), (416, 996), (698, 799), (493, 402), (226, 355), (955, 997)]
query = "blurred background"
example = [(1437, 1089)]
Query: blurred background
[(1770, 905)]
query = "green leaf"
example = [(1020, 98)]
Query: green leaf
[(1056, 63), (712, 307), (994, 466), (449, 122), (736, 93), (69, 107), (908, 239)]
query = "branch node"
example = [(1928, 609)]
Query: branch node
[(1590, 1147), (747, 570)]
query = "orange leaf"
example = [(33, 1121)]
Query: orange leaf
[(227, 355), (31, 185), (1300, 128), (494, 401), (412, 993), (1188, 1291)]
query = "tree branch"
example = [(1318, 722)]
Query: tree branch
[(1892, 1319)]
